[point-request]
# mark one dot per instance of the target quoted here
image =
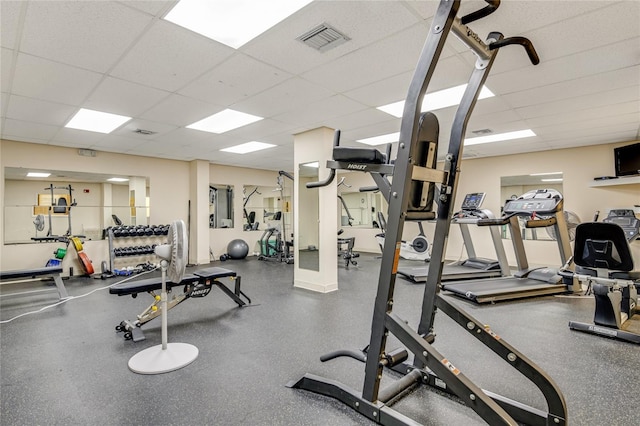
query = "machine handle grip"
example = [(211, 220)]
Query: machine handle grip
[(327, 181), (371, 188), (332, 172), (478, 14), (524, 42), (497, 221)]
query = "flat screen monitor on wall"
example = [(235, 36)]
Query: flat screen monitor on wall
[(627, 160)]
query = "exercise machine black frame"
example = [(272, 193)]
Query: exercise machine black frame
[(410, 173)]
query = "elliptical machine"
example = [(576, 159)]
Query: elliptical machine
[(416, 249)]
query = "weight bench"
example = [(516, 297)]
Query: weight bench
[(198, 284), (54, 272)]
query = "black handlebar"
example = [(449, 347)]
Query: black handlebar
[(524, 42), (332, 172), (478, 14)]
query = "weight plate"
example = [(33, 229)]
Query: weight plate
[(77, 243)]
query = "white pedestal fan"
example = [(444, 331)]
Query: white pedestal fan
[(167, 356)]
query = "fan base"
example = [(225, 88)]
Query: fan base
[(155, 360)]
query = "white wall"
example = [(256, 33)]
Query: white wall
[(169, 194)]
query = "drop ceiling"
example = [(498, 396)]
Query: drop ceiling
[(123, 58)]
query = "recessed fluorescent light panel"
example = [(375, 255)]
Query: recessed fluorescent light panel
[(520, 134), (436, 100), (96, 121), (224, 121), (232, 22), (38, 174), (552, 180), (248, 147), (379, 140), (118, 180)]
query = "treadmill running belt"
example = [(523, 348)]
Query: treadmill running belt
[(484, 291)]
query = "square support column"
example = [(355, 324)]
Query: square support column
[(315, 223), (198, 222)]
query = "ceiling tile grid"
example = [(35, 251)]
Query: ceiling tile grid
[(122, 57)]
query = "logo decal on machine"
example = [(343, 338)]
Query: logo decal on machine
[(357, 166)]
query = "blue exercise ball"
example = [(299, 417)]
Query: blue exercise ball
[(237, 249)]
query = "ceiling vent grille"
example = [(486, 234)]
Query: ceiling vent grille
[(482, 132), (144, 132), (323, 37)]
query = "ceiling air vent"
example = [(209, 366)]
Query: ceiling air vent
[(482, 132), (323, 37), (144, 132)]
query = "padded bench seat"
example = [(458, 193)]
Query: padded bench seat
[(359, 155), (29, 273), (214, 273), (149, 284), (54, 272)]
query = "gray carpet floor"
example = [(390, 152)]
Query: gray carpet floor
[(68, 366)]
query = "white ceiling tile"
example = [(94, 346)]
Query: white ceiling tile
[(597, 114), (288, 96), (152, 7), (26, 129), (42, 79), (86, 34), (234, 80), (616, 79), (180, 110), (6, 63), (398, 53), (37, 111), (77, 137), (168, 57), (362, 120), (261, 130), (129, 128), (596, 61), (318, 112), (10, 12), (609, 97), (115, 143), (375, 20), (122, 97)]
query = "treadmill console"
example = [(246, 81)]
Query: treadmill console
[(539, 201), (626, 219), (473, 201)]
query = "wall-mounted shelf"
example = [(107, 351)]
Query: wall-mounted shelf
[(615, 182)]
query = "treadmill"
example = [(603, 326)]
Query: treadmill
[(473, 267), (541, 208)]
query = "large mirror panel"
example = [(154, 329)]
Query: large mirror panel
[(57, 203), (511, 187), (360, 209), (220, 206), (309, 215)]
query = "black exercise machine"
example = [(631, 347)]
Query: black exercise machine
[(58, 206), (473, 267), (603, 255), (541, 208), (198, 284), (345, 250), (53, 272), (410, 196)]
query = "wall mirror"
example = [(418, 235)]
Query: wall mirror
[(309, 215), (220, 206), (57, 203), (511, 187), (360, 209)]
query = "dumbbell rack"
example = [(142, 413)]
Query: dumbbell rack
[(150, 240)]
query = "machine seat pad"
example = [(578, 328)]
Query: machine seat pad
[(149, 284), (359, 155), (214, 273), (27, 273)]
